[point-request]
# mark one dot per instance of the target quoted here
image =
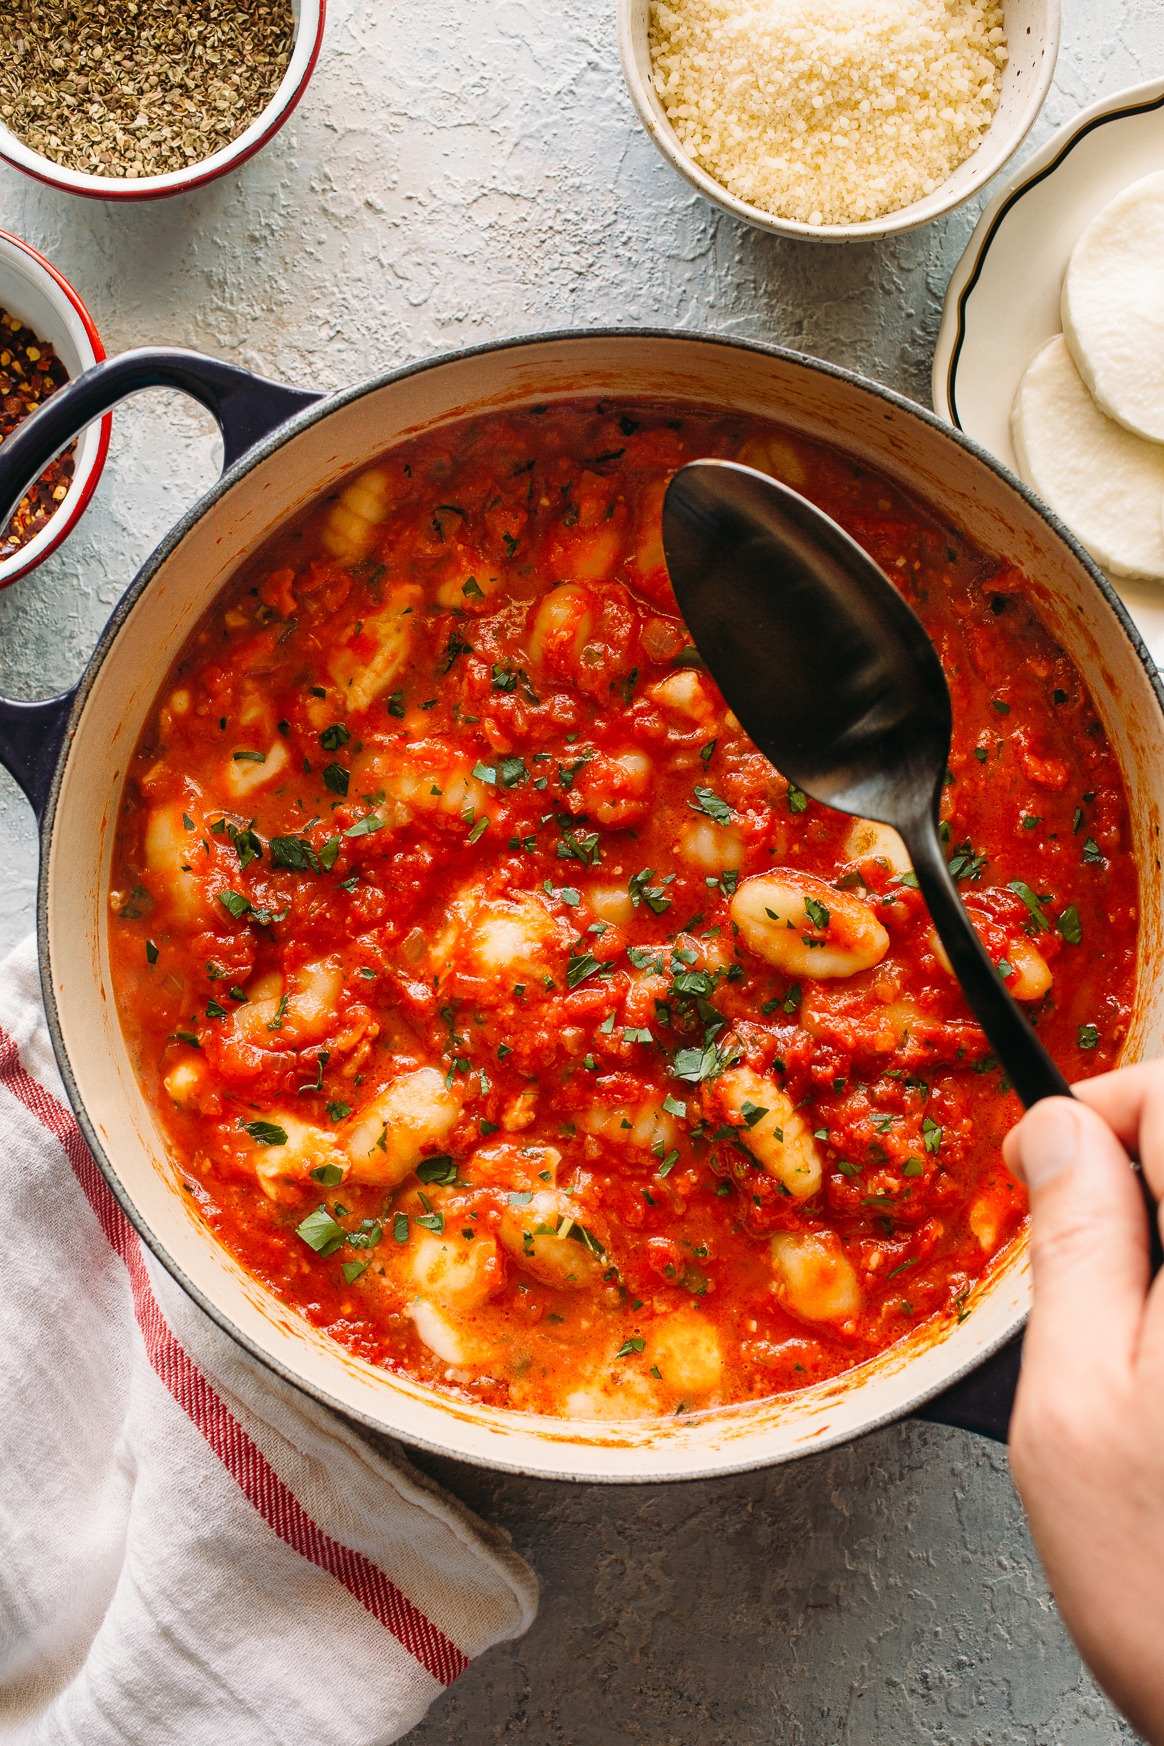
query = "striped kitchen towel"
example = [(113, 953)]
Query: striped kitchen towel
[(191, 1551)]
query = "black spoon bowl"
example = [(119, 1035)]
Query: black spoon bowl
[(835, 679)]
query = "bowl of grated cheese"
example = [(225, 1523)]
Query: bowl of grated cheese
[(838, 119)]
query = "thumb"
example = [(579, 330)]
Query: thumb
[(1089, 1246)]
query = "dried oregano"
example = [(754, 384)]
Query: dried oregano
[(138, 87)]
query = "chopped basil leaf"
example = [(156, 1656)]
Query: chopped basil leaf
[(295, 853), (797, 799), (365, 826), (335, 777), (817, 914), (151, 952), (250, 757), (213, 1010), (634, 1344), (337, 1111), (710, 803), (1092, 853), (1033, 903), (1070, 926), (328, 1174), (266, 1133), (400, 1227), (234, 903), (321, 1232), (965, 863), (136, 904), (441, 1170), (520, 1199), (478, 830), (335, 736), (1088, 1036), (351, 1270)]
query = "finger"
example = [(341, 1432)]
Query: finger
[(1089, 1246), (1131, 1101)]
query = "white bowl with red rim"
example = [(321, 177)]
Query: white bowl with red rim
[(309, 18), (31, 288)]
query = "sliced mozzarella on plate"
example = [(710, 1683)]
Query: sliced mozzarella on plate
[(1105, 483), (1113, 307)]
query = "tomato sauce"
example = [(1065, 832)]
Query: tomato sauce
[(510, 1017)]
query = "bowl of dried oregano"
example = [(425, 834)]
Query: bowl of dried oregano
[(137, 99)]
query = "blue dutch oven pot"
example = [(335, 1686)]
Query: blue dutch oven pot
[(284, 448)]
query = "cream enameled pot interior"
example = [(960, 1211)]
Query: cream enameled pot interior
[(821, 403)]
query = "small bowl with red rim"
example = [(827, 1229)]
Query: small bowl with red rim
[(308, 18), (32, 291)]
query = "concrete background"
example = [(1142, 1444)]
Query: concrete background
[(470, 169)]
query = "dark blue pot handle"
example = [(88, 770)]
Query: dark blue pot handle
[(246, 408)]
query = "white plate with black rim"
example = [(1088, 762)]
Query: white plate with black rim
[(1002, 301)]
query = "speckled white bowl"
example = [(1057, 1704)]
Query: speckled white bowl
[(31, 288), (309, 18), (1032, 31)]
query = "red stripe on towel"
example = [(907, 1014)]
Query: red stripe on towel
[(243, 1460)]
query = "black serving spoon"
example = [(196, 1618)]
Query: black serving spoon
[(836, 681)]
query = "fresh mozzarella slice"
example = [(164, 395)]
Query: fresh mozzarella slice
[(1113, 307), (1105, 483)]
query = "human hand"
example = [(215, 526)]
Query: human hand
[(1087, 1436)]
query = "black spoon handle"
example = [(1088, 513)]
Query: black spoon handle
[(1027, 1064), (1025, 1061)]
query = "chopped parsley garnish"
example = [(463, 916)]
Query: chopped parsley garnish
[(1088, 1036), (797, 799)]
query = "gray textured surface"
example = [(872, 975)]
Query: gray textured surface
[(468, 169)]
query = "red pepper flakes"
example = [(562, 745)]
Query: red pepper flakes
[(29, 372)]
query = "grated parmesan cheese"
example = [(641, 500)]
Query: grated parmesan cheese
[(828, 111)]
